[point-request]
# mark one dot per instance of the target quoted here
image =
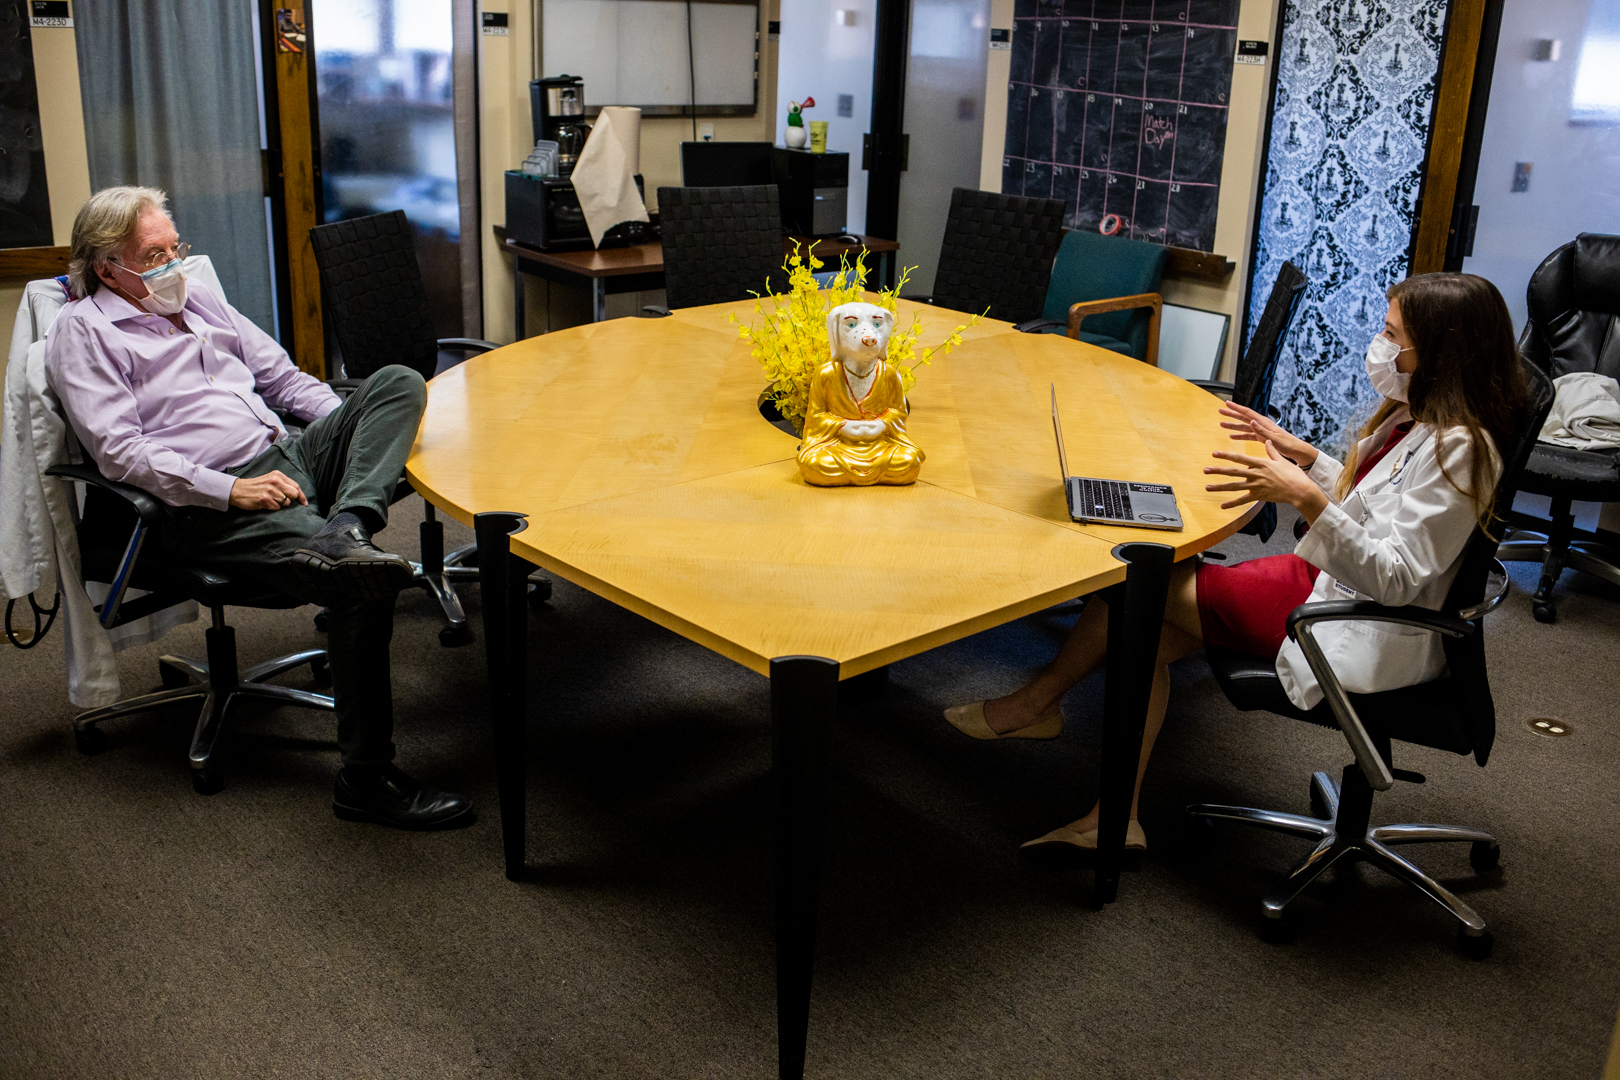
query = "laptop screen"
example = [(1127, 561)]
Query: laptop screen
[(1057, 429)]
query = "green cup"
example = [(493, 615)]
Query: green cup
[(818, 136)]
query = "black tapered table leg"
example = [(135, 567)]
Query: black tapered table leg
[(1135, 619), (503, 582), (804, 702)]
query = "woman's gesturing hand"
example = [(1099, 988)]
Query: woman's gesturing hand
[(1258, 427), (1272, 478)]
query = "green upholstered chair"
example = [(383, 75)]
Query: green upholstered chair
[(1105, 291)]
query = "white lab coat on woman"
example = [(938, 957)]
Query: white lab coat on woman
[(1397, 539)]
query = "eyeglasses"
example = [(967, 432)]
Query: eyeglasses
[(162, 258)]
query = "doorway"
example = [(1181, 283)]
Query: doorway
[(1549, 158), (385, 108)]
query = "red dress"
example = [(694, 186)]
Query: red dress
[(1244, 608)]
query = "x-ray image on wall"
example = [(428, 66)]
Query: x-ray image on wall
[(1351, 117)]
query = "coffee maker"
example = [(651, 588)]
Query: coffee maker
[(544, 211), (557, 107)]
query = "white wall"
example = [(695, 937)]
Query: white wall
[(1575, 175), (820, 59)]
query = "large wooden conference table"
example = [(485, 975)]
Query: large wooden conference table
[(629, 457)]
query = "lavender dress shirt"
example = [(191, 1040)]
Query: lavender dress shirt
[(169, 410)]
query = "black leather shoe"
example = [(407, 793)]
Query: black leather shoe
[(384, 795), (346, 560)]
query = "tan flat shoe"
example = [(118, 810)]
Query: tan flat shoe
[(1135, 839), (969, 720)]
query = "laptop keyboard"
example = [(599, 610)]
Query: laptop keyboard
[(1105, 499)]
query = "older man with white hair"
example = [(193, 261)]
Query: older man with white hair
[(170, 389)]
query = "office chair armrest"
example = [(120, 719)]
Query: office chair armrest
[(1152, 301), (1497, 585), (1366, 611), (344, 387), (146, 506), (1039, 326), (468, 344), (148, 511), (653, 311), (1300, 623)]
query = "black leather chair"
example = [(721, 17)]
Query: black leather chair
[(721, 244), (1574, 326), (373, 297), (1257, 369), (996, 258), (113, 528), (1454, 712)]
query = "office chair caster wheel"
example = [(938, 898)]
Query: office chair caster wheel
[(89, 740), (320, 673), (1544, 611), (1484, 857), (173, 678), (539, 591), (207, 780), (455, 635), (321, 621), (1474, 946)]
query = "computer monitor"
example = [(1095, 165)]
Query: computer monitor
[(725, 164)]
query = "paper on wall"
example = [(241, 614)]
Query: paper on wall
[(604, 178)]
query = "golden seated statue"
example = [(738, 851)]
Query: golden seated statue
[(855, 422)]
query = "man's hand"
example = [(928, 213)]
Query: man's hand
[(272, 491), (1272, 478)]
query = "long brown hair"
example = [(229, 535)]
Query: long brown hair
[(1467, 374)]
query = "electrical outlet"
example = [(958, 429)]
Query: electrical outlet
[(706, 132)]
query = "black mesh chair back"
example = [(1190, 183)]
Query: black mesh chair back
[(721, 244), (997, 254), (1465, 657), (1257, 369), (372, 294)]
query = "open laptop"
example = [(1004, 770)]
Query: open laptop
[(1113, 502)]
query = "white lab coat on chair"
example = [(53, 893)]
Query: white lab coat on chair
[(1397, 539), (39, 548)]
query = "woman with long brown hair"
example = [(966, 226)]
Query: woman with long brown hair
[(1390, 526)]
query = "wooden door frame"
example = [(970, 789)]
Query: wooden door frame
[(1458, 121), (293, 183)]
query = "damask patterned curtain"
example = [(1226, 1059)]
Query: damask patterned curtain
[(1351, 119)]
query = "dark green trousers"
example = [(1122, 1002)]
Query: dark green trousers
[(350, 459)]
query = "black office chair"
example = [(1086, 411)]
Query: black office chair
[(112, 530), (1574, 326), (1257, 369), (1454, 712), (373, 296), (996, 258), (721, 244)]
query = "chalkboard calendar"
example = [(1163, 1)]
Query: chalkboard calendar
[(1118, 108)]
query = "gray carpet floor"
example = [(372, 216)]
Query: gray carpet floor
[(149, 932)]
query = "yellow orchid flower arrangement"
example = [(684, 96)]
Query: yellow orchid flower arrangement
[(790, 341)]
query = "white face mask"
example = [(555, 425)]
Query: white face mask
[(1386, 378), (165, 288)]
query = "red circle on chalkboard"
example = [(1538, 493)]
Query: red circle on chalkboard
[(1110, 224)]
